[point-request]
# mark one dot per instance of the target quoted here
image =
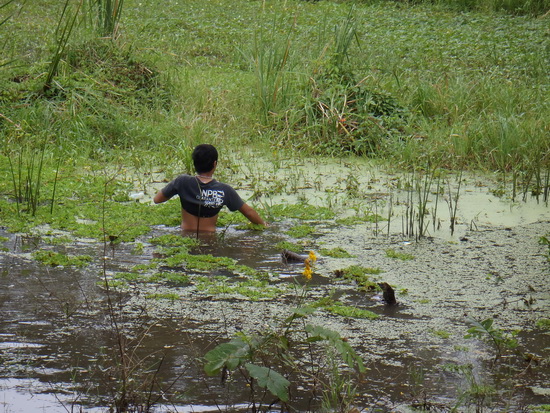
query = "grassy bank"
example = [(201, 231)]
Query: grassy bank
[(409, 83)]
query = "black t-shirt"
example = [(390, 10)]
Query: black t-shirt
[(203, 199)]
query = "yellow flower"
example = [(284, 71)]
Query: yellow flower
[(307, 272), (312, 256)]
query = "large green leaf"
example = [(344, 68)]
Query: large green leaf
[(229, 355), (270, 379), (319, 333), (300, 312)]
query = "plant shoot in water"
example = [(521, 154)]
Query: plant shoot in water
[(499, 339)]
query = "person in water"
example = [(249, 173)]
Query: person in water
[(202, 197)]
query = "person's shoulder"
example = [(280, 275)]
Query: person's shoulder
[(222, 185), (182, 179)]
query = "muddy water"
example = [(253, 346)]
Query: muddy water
[(58, 345)]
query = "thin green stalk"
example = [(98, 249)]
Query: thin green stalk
[(438, 188), (36, 194), (453, 203), (55, 184), (62, 34), (15, 191)]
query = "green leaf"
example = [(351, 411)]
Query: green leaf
[(229, 355), (479, 329), (270, 379), (321, 333), (318, 333), (300, 312)]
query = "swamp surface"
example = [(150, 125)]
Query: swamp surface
[(58, 347)]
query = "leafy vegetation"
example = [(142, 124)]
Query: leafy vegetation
[(265, 359), (499, 339), (86, 110)]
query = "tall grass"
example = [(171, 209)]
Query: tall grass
[(530, 7), (465, 88), (271, 65), (66, 24), (108, 15)]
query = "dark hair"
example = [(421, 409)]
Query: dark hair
[(204, 157)]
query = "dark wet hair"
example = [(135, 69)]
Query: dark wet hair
[(204, 156)]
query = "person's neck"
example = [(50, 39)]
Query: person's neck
[(207, 176)]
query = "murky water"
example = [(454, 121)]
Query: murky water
[(59, 342)]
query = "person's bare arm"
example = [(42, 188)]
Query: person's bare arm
[(252, 215), (159, 198)]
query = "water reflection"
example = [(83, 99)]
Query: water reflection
[(59, 341)]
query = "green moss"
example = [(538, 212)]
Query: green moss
[(163, 296), (55, 259), (335, 253), (301, 211), (360, 275), (351, 312), (114, 284), (248, 271), (543, 324), (144, 267), (391, 253), (230, 218), (128, 276), (360, 219), (291, 246), (177, 278), (251, 289), (441, 333), (250, 227), (172, 240), (62, 240), (138, 249), (301, 231)]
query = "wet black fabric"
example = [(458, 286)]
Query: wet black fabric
[(203, 199)]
